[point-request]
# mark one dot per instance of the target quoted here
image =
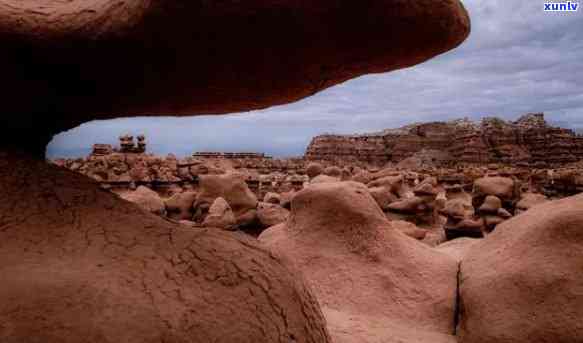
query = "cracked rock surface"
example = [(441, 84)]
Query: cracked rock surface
[(78, 264)]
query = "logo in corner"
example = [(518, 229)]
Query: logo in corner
[(568, 6)]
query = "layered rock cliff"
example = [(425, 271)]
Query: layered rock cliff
[(528, 141)]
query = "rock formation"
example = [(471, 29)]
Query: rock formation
[(523, 283), (527, 141), (375, 284), (96, 59), (81, 265)]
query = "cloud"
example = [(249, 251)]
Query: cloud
[(518, 59)]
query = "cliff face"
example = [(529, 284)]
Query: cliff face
[(527, 141)]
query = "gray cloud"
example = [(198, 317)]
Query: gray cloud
[(518, 59)]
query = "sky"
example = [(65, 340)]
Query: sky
[(518, 59)]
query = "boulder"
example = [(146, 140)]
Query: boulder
[(491, 205), (468, 227), (272, 198), (180, 206), (523, 283), (457, 209), (333, 171), (374, 283), (314, 169), (146, 199), (233, 189), (220, 216), (271, 214), (501, 187)]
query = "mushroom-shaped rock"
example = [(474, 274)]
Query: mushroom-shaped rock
[(501, 187), (233, 189), (524, 283), (491, 205), (220, 215), (180, 205), (314, 169), (81, 265), (374, 283), (96, 59), (147, 199)]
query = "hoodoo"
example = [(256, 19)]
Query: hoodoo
[(81, 265)]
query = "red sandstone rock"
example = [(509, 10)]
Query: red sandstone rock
[(81, 265), (383, 196), (491, 205), (324, 179), (180, 206), (102, 58), (271, 214), (233, 189), (523, 283), (147, 199), (529, 200), (409, 229), (374, 283), (314, 169), (333, 171), (272, 198), (529, 141), (220, 215), (458, 248), (500, 187)]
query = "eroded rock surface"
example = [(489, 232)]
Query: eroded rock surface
[(373, 282), (81, 265), (523, 283), (100, 59), (527, 141)]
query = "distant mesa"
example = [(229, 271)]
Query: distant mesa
[(529, 141), (231, 155)]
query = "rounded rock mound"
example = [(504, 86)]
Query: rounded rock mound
[(523, 283), (81, 265), (373, 282)]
